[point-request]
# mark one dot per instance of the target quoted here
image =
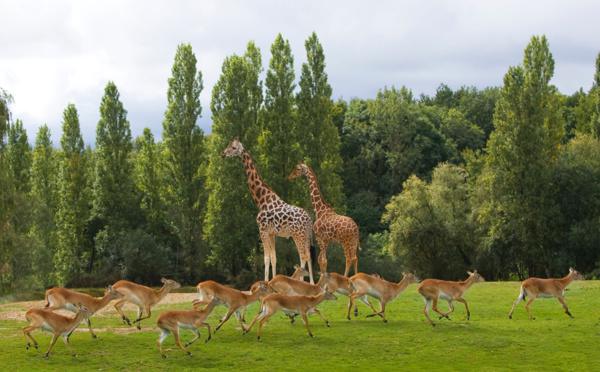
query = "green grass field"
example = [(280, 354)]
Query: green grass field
[(489, 341)]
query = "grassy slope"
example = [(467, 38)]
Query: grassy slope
[(489, 341)]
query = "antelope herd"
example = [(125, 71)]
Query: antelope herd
[(291, 295), (288, 294)]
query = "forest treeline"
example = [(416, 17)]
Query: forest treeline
[(502, 179)]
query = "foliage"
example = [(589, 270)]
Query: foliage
[(520, 210), (185, 162), (73, 202), (430, 228), (278, 143), (230, 224), (319, 138)]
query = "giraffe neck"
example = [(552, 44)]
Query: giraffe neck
[(258, 188), (319, 204)]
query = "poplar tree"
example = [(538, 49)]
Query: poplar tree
[(44, 179), (278, 142), (319, 138), (231, 217), (113, 182), (147, 179), (72, 204), (522, 150), (19, 156), (184, 161)]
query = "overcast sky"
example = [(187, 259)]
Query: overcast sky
[(56, 52)]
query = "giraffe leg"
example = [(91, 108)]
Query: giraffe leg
[(323, 245), (268, 241), (273, 258), (302, 242)]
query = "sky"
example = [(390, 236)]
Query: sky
[(57, 52)]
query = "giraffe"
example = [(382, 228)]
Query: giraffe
[(330, 226), (275, 217)]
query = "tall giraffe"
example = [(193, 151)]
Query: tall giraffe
[(329, 226), (275, 217)]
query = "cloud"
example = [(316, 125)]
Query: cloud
[(65, 51)]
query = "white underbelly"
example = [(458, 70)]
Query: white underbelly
[(46, 327), (185, 325), (545, 295), (374, 293), (445, 296)]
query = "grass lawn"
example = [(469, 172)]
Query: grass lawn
[(489, 341)]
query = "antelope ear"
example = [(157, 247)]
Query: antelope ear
[(296, 267), (110, 288), (470, 273), (163, 280), (571, 269)]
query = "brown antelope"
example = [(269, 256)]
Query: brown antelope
[(63, 298), (433, 289), (141, 296), (289, 305), (365, 285), (172, 321), (536, 287), (58, 325), (235, 300)]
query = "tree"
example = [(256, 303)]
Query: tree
[(519, 211), (319, 137), (148, 178), (7, 200), (19, 156), (464, 134), (44, 194), (230, 223), (278, 144), (184, 161), (73, 207), (114, 197), (595, 94), (430, 228)]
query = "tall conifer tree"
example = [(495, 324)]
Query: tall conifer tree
[(231, 218), (184, 161)]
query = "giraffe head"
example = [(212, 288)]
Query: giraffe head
[(300, 170), (235, 148)]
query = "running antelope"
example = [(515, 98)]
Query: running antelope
[(63, 298), (289, 305), (172, 321), (58, 325), (433, 289), (235, 300), (536, 287), (365, 285), (141, 296)]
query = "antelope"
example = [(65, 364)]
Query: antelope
[(236, 301), (172, 321), (365, 285), (536, 287), (63, 298), (142, 296), (289, 305), (58, 325), (432, 290)]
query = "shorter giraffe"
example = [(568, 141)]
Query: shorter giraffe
[(275, 217), (329, 226)]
